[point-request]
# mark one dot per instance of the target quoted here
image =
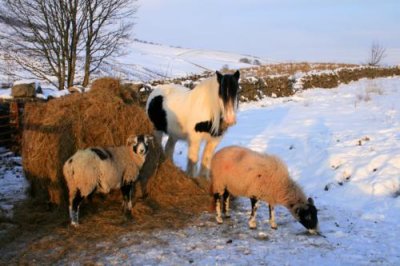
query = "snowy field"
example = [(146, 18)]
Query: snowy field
[(144, 62), (342, 145)]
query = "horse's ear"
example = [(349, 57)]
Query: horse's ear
[(219, 76), (237, 75)]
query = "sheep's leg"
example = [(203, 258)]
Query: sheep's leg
[(75, 201), (217, 201), (252, 220), (193, 157), (207, 156), (272, 217), (127, 191), (226, 209), (170, 147)]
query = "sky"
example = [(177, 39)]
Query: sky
[(278, 30)]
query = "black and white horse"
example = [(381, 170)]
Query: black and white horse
[(203, 113)]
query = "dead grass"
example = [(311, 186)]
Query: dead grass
[(41, 236), (290, 68)]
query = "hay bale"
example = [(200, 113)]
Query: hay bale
[(105, 116)]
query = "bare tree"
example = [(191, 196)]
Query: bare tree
[(75, 23), (31, 38), (376, 55), (108, 25), (47, 37)]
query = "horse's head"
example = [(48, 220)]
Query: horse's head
[(228, 95)]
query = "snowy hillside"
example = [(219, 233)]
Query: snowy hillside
[(146, 61), (142, 61), (342, 145)]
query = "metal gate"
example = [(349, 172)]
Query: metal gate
[(10, 124)]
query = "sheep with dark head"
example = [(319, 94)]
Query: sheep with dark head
[(240, 171), (103, 169)]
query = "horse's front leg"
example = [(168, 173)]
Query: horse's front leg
[(158, 134), (193, 157), (170, 147), (207, 156)]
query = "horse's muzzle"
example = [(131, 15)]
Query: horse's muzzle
[(230, 121)]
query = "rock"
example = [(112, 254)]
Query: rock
[(23, 90), (76, 88), (26, 88)]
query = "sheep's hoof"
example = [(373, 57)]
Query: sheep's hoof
[(312, 232), (128, 216), (219, 220), (75, 224), (252, 225), (273, 225)]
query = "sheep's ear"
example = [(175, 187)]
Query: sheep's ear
[(132, 140), (311, 201), (149, 138), (237, 75)]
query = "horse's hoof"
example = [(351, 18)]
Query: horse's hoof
[(219, 220), (274, 227)]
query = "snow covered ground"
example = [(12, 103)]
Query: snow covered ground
[(342, 145), (12, 182)]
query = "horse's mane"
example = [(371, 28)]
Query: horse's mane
[(206, 92)]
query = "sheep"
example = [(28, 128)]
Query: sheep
[(240, 171), (98, 169)]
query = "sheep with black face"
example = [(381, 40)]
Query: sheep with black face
[(240, 171), (100, 170)]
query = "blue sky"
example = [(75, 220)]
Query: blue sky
[(280, 30)]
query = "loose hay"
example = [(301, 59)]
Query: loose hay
[(105, 116)]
